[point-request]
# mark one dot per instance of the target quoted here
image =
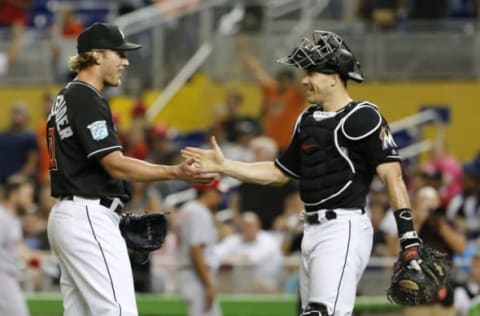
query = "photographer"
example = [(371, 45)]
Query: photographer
[(437, 232)]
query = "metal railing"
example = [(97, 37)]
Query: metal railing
[(171, 34), (414, 125)]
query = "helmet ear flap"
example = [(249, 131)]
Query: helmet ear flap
[(347, 65), (345, 61)]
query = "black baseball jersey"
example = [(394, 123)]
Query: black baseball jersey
[(80, 129), (335, 155)]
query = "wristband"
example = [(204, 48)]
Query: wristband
[(406, 232)]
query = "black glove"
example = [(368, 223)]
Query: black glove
[(145, 232), (420, 274)]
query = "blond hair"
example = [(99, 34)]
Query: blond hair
[(81, 61)]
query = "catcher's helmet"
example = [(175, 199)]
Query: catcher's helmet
[(327, 53)]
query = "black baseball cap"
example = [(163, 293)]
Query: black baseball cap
[(103, 36)]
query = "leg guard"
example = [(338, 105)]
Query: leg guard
[(315, 309)]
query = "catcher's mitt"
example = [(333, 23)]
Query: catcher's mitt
[(144, 232), (412, 287)]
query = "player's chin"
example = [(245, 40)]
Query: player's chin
[(113, 82), (313, 98)]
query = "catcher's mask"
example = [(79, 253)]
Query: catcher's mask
[(327, 53)]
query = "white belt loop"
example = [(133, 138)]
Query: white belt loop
[(115, 203)]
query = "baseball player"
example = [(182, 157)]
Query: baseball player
[(337, 146), (18, 192), (197, 236), (88, 173)]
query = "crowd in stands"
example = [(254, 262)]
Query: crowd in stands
[(60, 21), (259, 226)]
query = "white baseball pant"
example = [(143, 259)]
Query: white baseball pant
[(12, 301), (96, 276), (193, 292), (334, 255)]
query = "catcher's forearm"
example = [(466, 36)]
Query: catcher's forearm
[(391, 175), (263, 172)]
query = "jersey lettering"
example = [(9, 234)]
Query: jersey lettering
[(52, 161), (61, 118)]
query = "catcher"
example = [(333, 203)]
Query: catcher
[(430, 289)]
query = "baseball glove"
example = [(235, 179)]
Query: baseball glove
[(412, 287), (145, 232)]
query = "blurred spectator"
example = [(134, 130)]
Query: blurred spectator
[(14, 253), (35, 231), (186, 6), (14, 11), (464, 208), (128, 6), (70, 25), (167, 191), (162, 150), (378, 193), (383, 222), (12, 301), (231, 150), (245, 130), (232, 119), (380, 247), (43, 156), (252, 248), (437, 232), (197, 262), (469, 292), (121, 136), (433, 226), (253, 16), (18, 145), (163, 264), (144, 198), (10, 57), (268, 202), (382, 14), (449, 167), (464, 8), (291, 226), (432, 178), (283, 98), (45, 204), (417, 180), (427, 9), (136, 142)]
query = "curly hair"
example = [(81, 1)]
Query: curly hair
[(81, 61)]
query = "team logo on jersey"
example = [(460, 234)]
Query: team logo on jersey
[(387, 138), (98, 130)]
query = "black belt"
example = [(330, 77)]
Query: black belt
[(104, 201), (312, 218)]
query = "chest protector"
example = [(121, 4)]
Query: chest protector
[(327, 144)]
